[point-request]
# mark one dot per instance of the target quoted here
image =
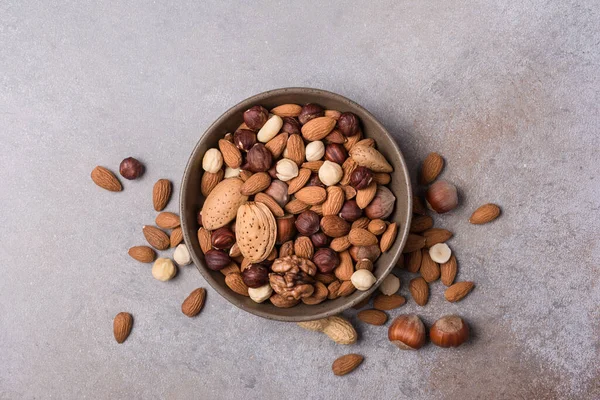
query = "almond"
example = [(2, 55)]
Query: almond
[(340, 244), (311, 195), (313, 166), (287, 110), (418, 207), (349, 191), (277, 144), (448, 271), (413, 261), (352, 140), (204, 238), (458, 291), (234, 251), (192, 305), (318, 208), (419, 290), (106, 179), (318, 295), (381, 178), (431, 168), (167, 220), (361, 223), (333, 289), (256, 231), (345, 270), (421, 223), (335, 114), (335, 200), (484, 214), (271, 203), (346, 364), (143, 254), (377, 226), (346, 289), (231, 154), (161, 194), (334, 226), (325, 278), (384, 303), (366, 156), (296, 206), (413, 243), (230, 269), (430, 270), (221, 205), (283, 302), (373, 317), (304, 248), (176, 237), (295, 149), (361, 237), (156, 238), (245, 175), (335, 137), (256, 183), (435, 236), (364, 196), (122, 326), (298, 182), (235, 282), (209, 181), (348, 168), (317, 128), (388, 237)]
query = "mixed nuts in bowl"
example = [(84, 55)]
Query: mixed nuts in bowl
[(295, 204)]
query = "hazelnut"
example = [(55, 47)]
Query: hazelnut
[(315, 151), (286, 229), (319, 239), (181, 255), (361, 177), (212, 161), (351, 211), (326, 260), (286, 169), (270, 129), (440, 253), (255, 275), (256, 117), (449, 331), (348, 124), (330, 173), (363, 279), (291, 126), (259, 158), (315, 181), (390, 285), (260, 294), (231, 172), (441, 197), (131, 168), (336, 153), (244, 139), (286, 249), (382, 204), (163, 269), (310, 111), (222, 238), (369, 252), (307, 222), (365, 263), (273, 172), (216, 260), (407, 332), (278, 190)]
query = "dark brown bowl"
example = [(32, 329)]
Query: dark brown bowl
[(191, 199)]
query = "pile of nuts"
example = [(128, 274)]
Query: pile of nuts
[(296, 206)]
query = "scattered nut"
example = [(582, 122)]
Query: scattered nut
[(181, 255), (390, 285), (130, 168), (442, 197), (440, 253), (449, 331), (163, 269), (407, 332)]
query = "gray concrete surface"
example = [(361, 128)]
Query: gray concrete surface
[(507, 91)]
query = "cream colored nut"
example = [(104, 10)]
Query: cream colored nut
[(212, 161), (440, 253), (231, 172), (330, 173), (315, 151), (270, 129), (286, 169), (363, 279), (390, 285), (260, 294), (163, 269), (181, 255)]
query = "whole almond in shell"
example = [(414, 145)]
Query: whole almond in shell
[(205, 240), (300, 181), (255, 231), (435, 236), (235, 282), (176, 237), (419, 290), (143, 254), (221, 205), (335, 200), (413, 261), (384, 303), (373, 317), (161, 194), (369, 157), (256, 183), (106, 179), (334, 226), (346, 364), (431, 168), (414, 243), (287, 110), (303, 247), (340, 244), (430, 270), (317, 128), (484, 214), (271, 203), (231, 154), (311, 195), (421, 223), (209, 181), (458, 291), (388, 237), (122, 325), (366, 195), (192, 305), (156, 238), (345, 269), (296, 206), (340, 330), (448, 271), (167, 220), (295, 149), (366, 142), (361, 237)]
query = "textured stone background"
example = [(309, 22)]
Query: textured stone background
[(508, 91)]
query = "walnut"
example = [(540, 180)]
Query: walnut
[(292, 277), (293, 264)]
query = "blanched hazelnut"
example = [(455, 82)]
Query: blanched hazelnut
[(261, 293), (348, 124), (315, 151), (286, 169), (163, 269), (212, 161), (361, 177), (130, 168), (363, 279), (330, 173), (255, 117), (291, 126), (231, 172), (307, 222), (336, 153), (278, 190), (326, 260), (259, 158), (244, 139), (351, 211), (310, 111), (390, 285), (270, 129), (181, 255)]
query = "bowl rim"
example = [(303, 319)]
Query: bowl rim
[(231, 296)]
